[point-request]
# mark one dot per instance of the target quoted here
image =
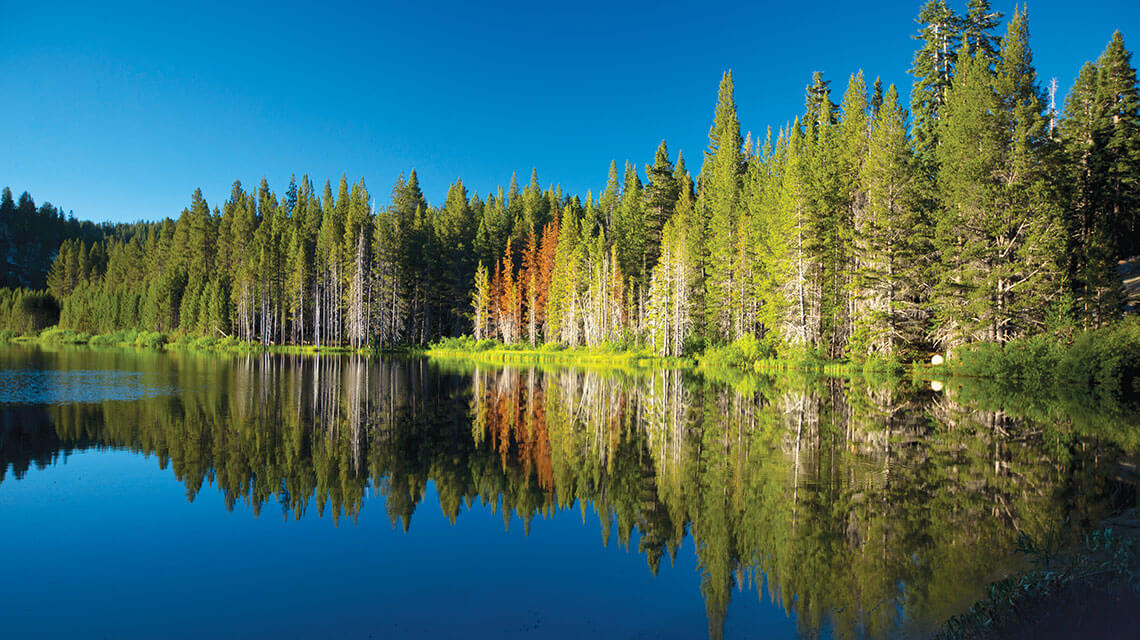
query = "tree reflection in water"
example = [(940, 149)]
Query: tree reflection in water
[(865, 509)]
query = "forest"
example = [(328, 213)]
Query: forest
[(865, 227)]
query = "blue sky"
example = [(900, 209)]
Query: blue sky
[(118, 111)]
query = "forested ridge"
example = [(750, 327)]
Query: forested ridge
[(981, 211), (30, 237)]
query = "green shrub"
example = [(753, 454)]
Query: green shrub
[(150, 340), (1107, 358), (122, 337), (744, 352), (55, 335), (460, 343), (1030, 360), (486, 344), (889, 365), (102, 340)]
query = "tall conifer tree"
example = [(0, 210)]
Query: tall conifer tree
[(718, 200)]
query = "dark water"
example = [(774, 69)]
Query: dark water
[(187, 495)]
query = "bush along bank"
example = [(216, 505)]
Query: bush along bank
[(1105, 359)]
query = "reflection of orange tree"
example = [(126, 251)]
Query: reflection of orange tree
[(851, 503), (515, 420)]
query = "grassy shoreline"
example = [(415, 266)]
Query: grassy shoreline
[(134, 339), (579, 356)]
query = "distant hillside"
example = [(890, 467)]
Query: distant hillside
[(30, 237)]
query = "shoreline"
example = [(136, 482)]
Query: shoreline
[(1089, 587), (1105, 361)]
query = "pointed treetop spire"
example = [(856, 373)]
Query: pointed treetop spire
[(978, 26)]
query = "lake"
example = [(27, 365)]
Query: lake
[(174, 494)]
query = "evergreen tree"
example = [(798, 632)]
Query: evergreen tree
[(823, 209), (718, 202), (933, 70), (999, 233), (1032, 236), (852, 140), (661, 193), (889, 241), (629, 234), (456, 233), (970, 157), (772, 227), (611, 198), (1116, 153), (977, 28), (1093, 246)]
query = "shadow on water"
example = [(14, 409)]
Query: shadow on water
[(866, 510)]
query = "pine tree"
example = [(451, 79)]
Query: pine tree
[(661, 193), (507, 301), (998, 234), (933, 70), (796, 325), (818, 107), (358, 244), (772, 226), (1092, 230), (327, 318), (822, 219), (611, 198), (7, 218), (751, 243), (970, 157), (977, 28), (456, 233), (548, 252), (889, 243), (535, 206), (672, 315), (852, 141), (876, 98), (1031, 239), (718, 202), (1116, 157), (629, 235), (529, 283)]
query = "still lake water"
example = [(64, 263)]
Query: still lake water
[(147, 494)]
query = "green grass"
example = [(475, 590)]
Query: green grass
[(493, 352), (134, 338)]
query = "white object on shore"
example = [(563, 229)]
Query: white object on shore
[(936, 385), (937, 359)]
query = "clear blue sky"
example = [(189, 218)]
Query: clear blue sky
[(118, 112)]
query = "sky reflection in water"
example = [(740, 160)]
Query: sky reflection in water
[(200, 493)]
